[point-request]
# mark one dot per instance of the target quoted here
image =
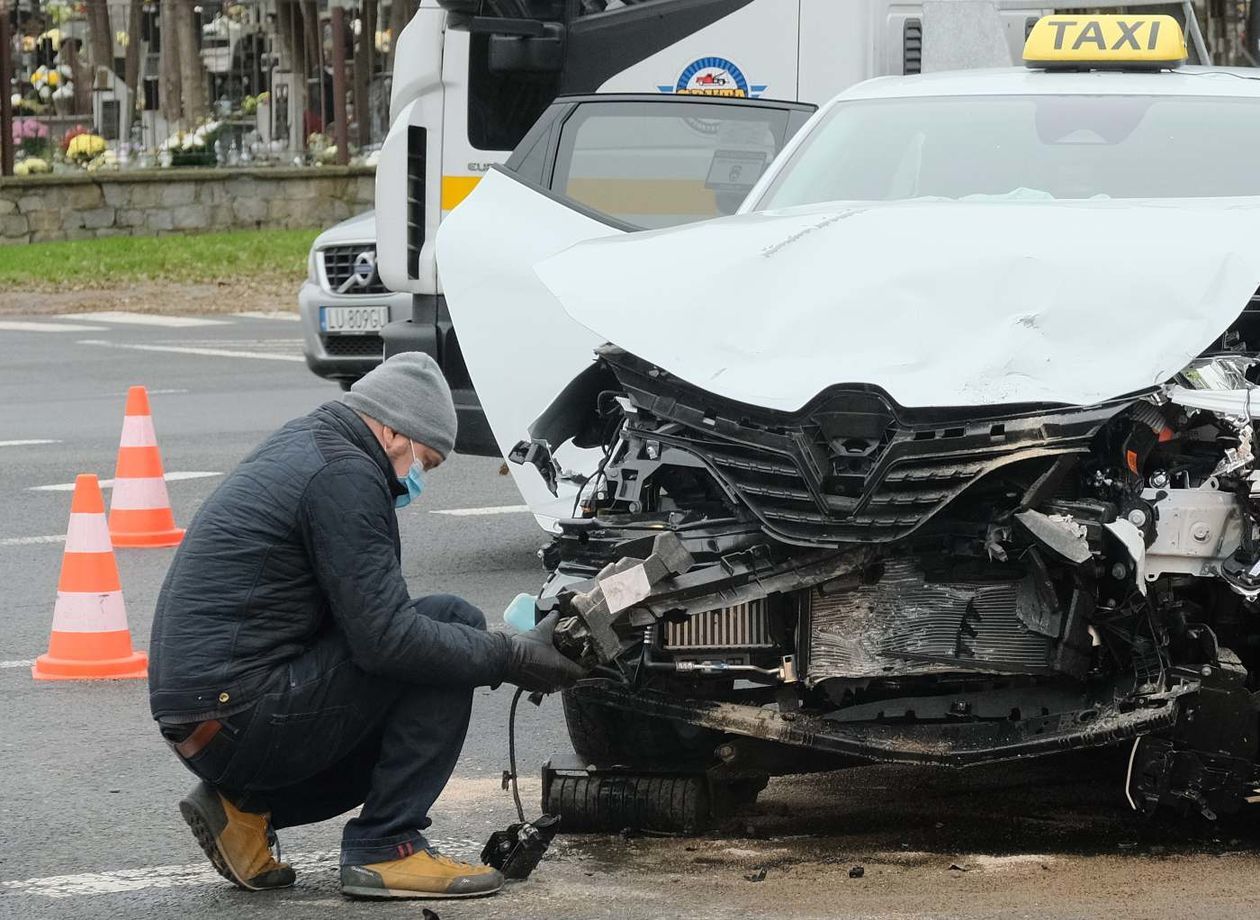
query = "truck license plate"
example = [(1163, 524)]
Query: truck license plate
[(352, 320)]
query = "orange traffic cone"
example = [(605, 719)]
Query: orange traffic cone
[(140, 510), (89, 639)]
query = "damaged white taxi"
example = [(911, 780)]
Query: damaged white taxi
[(941, 450)]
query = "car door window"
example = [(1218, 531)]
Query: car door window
[(661, 164)]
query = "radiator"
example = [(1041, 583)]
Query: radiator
[(740, 627)]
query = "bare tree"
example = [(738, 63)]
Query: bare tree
[(192, 75), (169, 87), (131, 61), (100, 42), (400, 13)]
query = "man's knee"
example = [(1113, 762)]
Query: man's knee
[(448, 608)]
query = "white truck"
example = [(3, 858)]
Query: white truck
[(473, 76)]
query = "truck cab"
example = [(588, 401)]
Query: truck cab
[(472, 78)]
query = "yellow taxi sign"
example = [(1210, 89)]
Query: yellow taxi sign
[(1105, 42)]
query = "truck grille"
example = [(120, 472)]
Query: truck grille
[(912, 46), (343, 263), (417, 139), (740, 627)]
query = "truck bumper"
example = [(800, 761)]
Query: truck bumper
[(428, 330)]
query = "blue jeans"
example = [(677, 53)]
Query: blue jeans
[(334, 737)]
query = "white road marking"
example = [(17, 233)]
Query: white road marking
[(108, 483), (12, 326), (269, 314), (146, 319), (120, 880), (32, 541), (27, 442), (475, 512), (16, 664), (206, 352), (92, 883)]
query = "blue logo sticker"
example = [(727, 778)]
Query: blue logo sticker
[(713, 76)]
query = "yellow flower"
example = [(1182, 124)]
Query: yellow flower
[(31, 166), (85, 146)]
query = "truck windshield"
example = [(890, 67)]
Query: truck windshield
[(1025, 147)]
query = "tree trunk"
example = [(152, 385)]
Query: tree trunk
[(192, 75), (100, 42), (72, 53), (131, 64), (362, 71), (169, 88), (400, 12)]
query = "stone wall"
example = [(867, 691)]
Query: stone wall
[(70, 207)]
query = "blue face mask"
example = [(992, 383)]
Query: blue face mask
[(413, 482)]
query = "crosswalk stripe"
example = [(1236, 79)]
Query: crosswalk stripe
[(269, 314), (146, 319), (28, 442), (476, 512), (26, 326), (108, 483), (186, 350), (32, 541)]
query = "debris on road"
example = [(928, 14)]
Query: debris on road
[(758, 876), (857, 871)]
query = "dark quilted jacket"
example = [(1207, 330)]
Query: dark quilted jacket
[(299, 539)]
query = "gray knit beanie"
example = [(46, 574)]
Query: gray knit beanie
[(409, 394)]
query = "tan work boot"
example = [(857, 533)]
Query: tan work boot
[(237, 842), (425, 874)]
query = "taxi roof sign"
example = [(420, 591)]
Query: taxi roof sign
[(1088, 42)]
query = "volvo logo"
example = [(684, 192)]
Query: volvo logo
[(362, 273)]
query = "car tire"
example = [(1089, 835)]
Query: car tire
[(604, 736)]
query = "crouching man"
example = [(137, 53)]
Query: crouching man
[(289, 668)]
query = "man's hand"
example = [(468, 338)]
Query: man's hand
[(535, 664)]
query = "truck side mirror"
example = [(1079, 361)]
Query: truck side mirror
[(528, 54)]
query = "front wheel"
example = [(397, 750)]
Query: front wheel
[(605, 736)]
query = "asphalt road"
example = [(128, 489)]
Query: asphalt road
[(88, 824)]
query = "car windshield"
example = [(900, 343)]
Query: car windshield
[(1025, 147)]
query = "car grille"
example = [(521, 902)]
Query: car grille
[(852, 466), (354, 346), (339, 264)]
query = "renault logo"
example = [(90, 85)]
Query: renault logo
[(362, 273)]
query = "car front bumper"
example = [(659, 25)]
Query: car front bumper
[(344, 357)]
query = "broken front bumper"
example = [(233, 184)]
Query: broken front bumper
[(957, 744)]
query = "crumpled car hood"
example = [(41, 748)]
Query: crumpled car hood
[(939, 303)]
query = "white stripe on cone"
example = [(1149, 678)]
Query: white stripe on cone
[(88, 533), (138, 431), (139, 494), (81, 612)]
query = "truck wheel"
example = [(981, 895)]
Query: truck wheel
[(604, 736)]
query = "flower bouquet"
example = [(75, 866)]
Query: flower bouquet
[(193, 148), (30, 137), (83, 148)]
